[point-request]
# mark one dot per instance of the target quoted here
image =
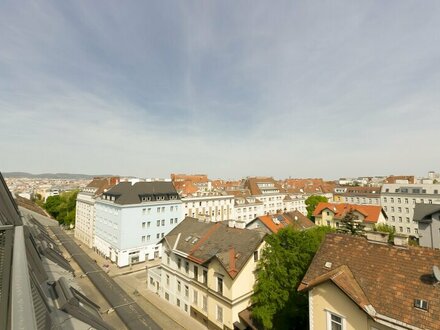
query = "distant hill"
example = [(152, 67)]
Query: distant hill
[(69, 176)]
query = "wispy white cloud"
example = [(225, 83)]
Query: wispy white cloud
[(292, 89)]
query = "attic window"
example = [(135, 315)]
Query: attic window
[(422, 304)]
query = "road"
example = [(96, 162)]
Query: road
[(128, 310)]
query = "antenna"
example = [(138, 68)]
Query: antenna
[(436, 272)]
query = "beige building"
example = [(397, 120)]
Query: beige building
[(359, 284), (332, 214), (85, 208), (208, 270)]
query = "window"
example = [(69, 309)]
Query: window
[(422, 304), (406, 209), (163, 222), (168, 259), (186, 291), (401, 229), (148, 224), (157, 236), (179, 263), (255, 256), (205, 303), (186, 266), (171, 221), (158, 223), (205, 277), (143, 225), (406, 200), (393, 218), (408, 230), (178, 302), (195, 298), (335, 322), (416, 231), (219, 314), (167, 296), (186, 307), (171, 208), (179, 286), (220, 285), (407, 219), (196, 273), (168, 279), (399, 200), (163, 209), (149, 210), (400, 219), (143, 239), (143, 211), (158, 210), (385, 199), (392, 200), (162, 235), (148, 237)]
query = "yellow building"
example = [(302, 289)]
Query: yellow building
[(332, 214), (359, 284), (208, 270)]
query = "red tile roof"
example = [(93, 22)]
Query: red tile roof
[(278, 221), (387, 277), (371, 212)]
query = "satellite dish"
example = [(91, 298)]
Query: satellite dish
[(436, 272)]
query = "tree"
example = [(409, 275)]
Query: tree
[(284, 261), (351, 224), (312, 202), (386, 229), (62, 207)]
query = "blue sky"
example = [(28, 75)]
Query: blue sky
[(295, 88)]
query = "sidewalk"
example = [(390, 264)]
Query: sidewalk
[(133, 280)]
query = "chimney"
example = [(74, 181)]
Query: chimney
[(377, 236), (401, 240), (231, 223)]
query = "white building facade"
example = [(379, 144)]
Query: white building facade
[(212, 206), (132, 218), (399, 200)]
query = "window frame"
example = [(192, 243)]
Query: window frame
[(329, 320)]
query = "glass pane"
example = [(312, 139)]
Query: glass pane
[(336, 326)]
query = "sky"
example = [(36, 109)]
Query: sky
[(228, 88)]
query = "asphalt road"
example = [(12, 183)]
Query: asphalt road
[(128, 310)]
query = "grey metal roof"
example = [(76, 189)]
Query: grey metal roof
[(423, 212), (126, 193), (9, 210)]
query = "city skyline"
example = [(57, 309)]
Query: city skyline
[(231, 90)]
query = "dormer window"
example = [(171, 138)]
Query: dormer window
[(421, 304)]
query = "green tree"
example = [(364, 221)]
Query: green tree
[(386, 229), (62, 207), (284, 261), (312, 202), (351, 224)]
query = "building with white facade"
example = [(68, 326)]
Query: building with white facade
[(85, 208), (357, 195), (399, 200), (213, 206), (208, 271), (131, 219), (274, 197)]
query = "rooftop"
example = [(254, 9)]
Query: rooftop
[(383, 280)]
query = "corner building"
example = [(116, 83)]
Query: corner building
[(131, 219)]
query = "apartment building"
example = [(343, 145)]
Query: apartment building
[(399, 200), (354, 283), (274, 197), (85, 208), (428, 218), (208, 270), (357, 195), (131, 219), (214, 206), (332, 214)]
